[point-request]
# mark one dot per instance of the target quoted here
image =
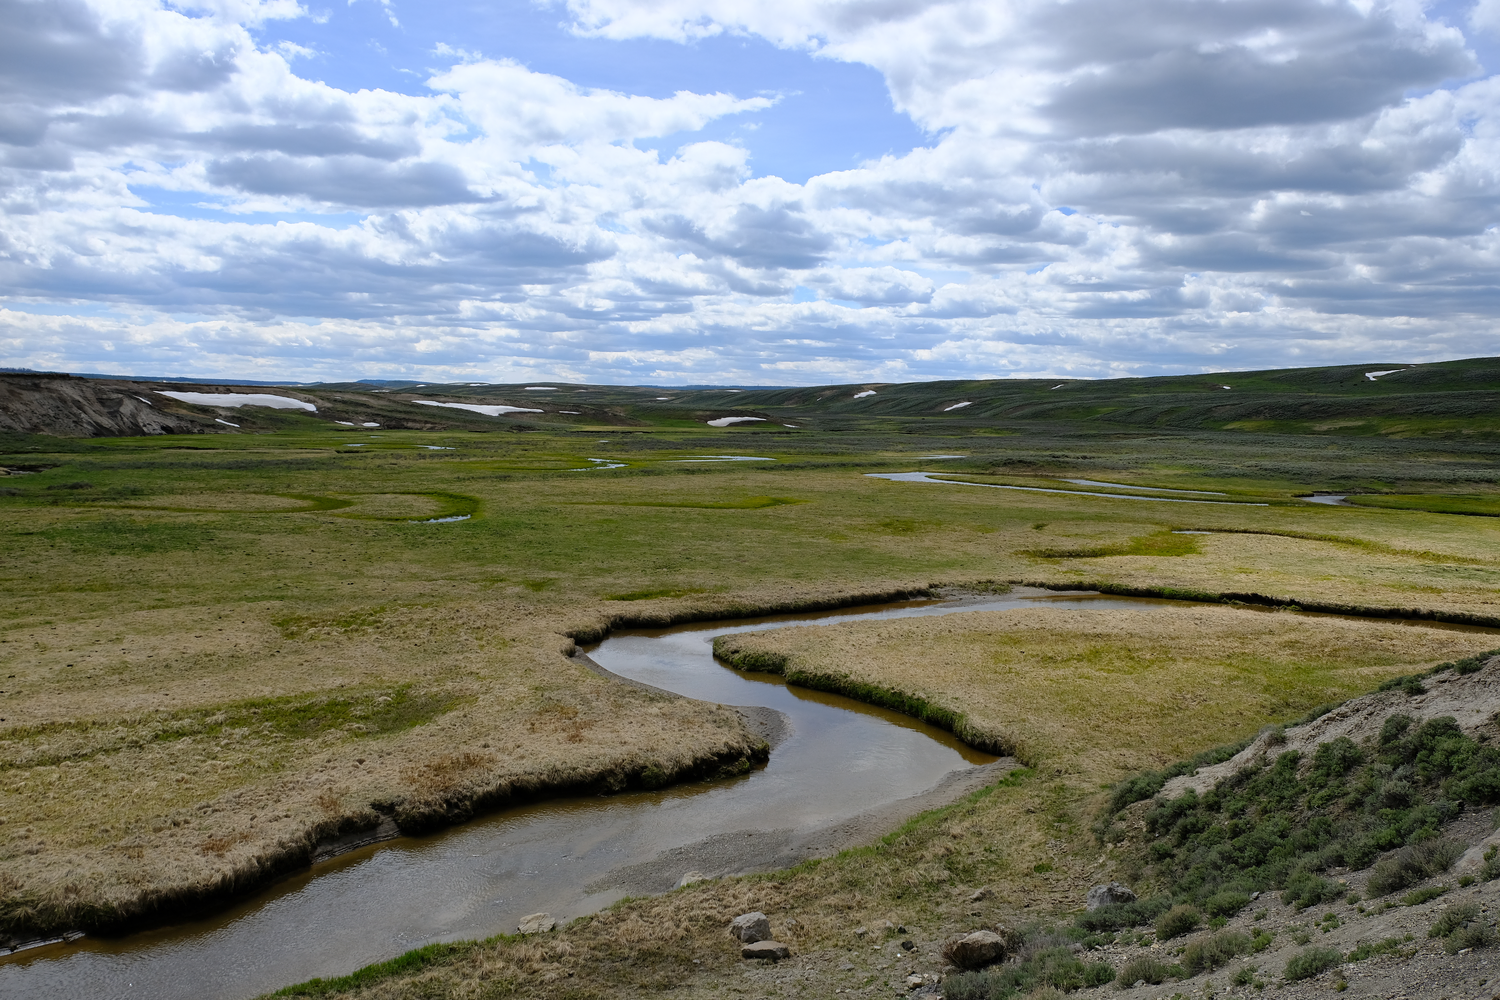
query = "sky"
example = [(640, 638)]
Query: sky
[(762, 192)]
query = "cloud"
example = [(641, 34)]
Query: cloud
[(780, 236), (345, 180), (1485, 16), (873, 285), (522, 110), (1201, 183)]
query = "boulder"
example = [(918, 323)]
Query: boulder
[(537, 923), (1109, 895), (974, 950), (750, 927), (773, 950)]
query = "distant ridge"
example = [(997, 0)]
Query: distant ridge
[(209, 380)]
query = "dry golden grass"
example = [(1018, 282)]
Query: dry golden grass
[(1101, 693)]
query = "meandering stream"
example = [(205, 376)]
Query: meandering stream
[(838, 760)]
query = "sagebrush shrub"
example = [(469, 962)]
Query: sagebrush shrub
[(1209, 953), (1310, 962), (1177, 921), (1151, 970), (1226, 903), (1412, 864)]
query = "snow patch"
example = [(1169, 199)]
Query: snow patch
[(238, 399), (486, 409)]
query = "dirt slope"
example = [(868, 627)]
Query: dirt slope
[(76, 407)]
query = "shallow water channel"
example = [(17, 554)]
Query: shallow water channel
[(837, 760)]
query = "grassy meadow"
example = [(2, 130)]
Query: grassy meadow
[(219, 649)]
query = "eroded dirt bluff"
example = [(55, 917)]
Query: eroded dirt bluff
[(78, 407)]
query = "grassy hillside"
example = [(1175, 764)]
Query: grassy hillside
[(1453, 399)]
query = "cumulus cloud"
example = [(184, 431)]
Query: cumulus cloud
[(1197, 183), (1485, 16)]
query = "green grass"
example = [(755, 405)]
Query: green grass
[(748, 503), (361, 714), (656, 594), (412, 961), (1474, 505), (1161, 543)]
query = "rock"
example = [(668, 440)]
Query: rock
[(915, 982), (974, 950), (750, 927), (774, 950), (979, 896), (907, 945), (860, 931), (1109, 895), (537, 923)]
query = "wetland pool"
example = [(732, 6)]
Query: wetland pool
[(926, 477)]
